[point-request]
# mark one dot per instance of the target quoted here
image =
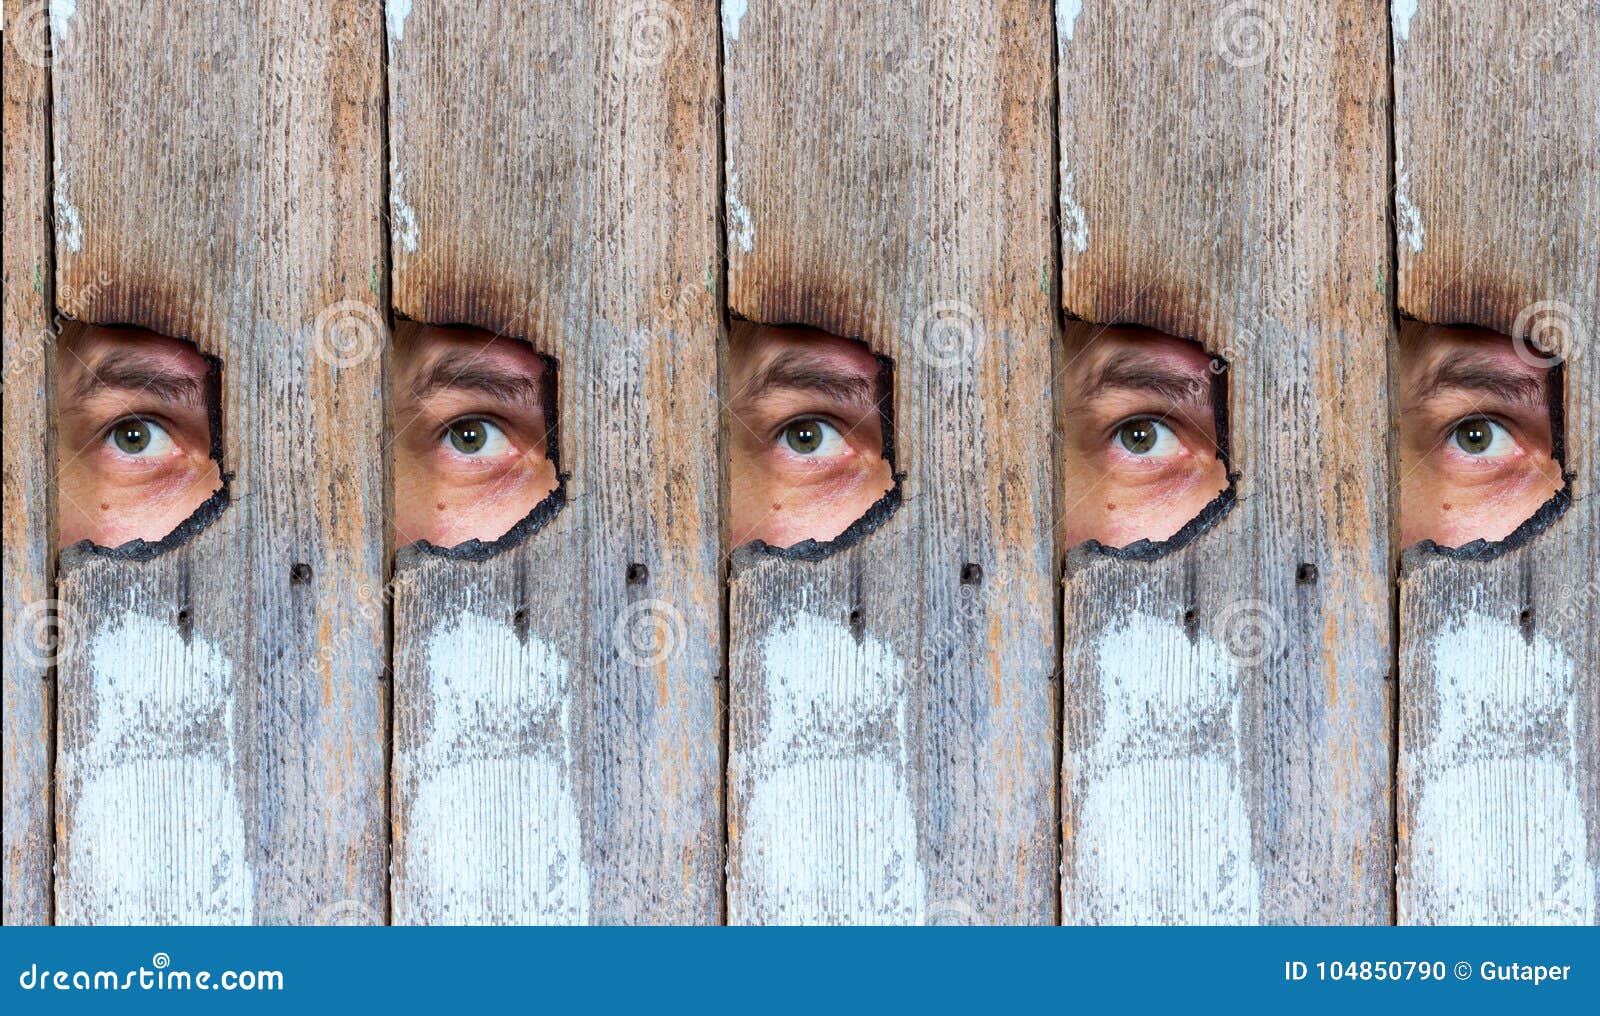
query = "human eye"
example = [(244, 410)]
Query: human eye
[(1146, 437), (140, 438), (1483, 438), (476, 437), (812, 437)]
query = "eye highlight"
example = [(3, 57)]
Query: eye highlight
[(137, 437), (812, 437), (1482, 437), (476, 437), (1146, 437)]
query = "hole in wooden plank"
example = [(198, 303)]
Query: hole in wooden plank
[(810, 440), (1481, 440), (637, 574), (1306, 574), (971, 574), (138, 440), (475, 436), (1143, 441), (299, 573)]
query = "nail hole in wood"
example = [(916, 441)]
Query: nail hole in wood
[(300, 573), (638, 574), (1306, 574), (971, 574)]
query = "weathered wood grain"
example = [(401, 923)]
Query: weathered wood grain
[(221, 705), (891, 739), (29, 579), (557, 748), (1227, 707), (1497, 132)]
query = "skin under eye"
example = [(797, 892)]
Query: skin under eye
[(812, 438), (137, 437), (1147, 438), (476, 437), (1481, 437)]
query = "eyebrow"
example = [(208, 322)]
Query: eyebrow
[(1127, 370), (795, 371), (134, 372), (467, 371), (1486, 376)]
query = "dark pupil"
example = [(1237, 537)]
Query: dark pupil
[(468, 436), (133, 436), (1474, 436), (805, 436), (1138, 436)]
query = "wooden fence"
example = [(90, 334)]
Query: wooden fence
[(956, 719)]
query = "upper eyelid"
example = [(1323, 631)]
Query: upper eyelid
[(843, 429)]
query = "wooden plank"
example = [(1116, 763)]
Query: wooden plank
[(221, 720), (891, 728), (1498, 220), (29, 580), (1227, 706), (554, 178)]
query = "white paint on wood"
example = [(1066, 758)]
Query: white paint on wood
[(741, 228), (156, 832), (1402, 11), (830, 831), (396, 13), (733, 12), (493, 835), (61, 12), (1499, 831), (1074, 222), (69, 223), (1164, 833), (1067, 12), (1408, 221), (405, 230)]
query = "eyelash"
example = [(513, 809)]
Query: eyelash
[(109, 429)]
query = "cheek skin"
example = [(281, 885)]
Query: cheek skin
[(1118, 507), (446, 510), (782, 507), (1438, 503), (110, 510)]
